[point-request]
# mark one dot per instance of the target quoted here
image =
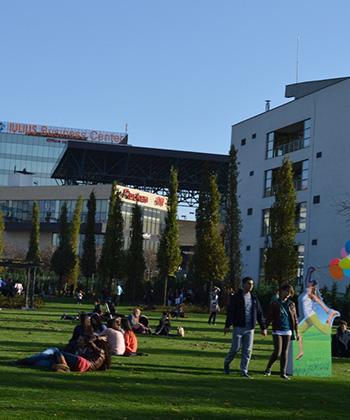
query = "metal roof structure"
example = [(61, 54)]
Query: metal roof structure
[(140, 167)]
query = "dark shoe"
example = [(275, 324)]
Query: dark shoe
[(226, 369), (246, 375), (267, 373), (22, 362), (285, 377)]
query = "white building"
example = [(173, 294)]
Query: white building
[(314, 131)]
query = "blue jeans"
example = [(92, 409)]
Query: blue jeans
[(51, 356), (241, 337)]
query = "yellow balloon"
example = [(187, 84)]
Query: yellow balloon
[(345, 263)]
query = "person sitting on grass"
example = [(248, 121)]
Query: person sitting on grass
[(83, 328), (341, 341), (129, 337), (138, 322), (97, 325), (164, 325), (115, 336), (92, 354)]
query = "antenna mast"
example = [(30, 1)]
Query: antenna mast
[(297, 61)]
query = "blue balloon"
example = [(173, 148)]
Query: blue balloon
[(346, 273), (347, 247)]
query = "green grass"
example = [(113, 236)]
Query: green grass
[(181, 378)]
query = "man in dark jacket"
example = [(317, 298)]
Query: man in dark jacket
[(243, 312)]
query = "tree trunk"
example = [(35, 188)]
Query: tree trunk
[(32, 289), (27, 300), (165, 291)]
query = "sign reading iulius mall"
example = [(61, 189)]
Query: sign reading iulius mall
[(63, 133)]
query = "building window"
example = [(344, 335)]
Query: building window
[(318, 155), (300, 270), (314, 242), (265, 227), (248, 247), (268, 183), (254, 136), (301, 213), (288, 139), (316, 199), (251, 173), (249, 211), (243, 142)]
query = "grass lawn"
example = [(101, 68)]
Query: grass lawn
[(181, 378)]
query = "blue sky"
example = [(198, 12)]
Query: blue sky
[(179, 73)]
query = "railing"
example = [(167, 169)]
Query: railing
[(289, 147)]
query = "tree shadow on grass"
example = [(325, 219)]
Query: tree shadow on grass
[(200, 396)]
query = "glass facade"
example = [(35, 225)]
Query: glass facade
[(34, 154), (153, 219)]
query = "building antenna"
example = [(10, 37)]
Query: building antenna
[(297, 61)]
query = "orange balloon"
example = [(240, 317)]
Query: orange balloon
[(336, 272)]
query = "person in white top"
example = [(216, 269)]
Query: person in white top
[(115, 336)]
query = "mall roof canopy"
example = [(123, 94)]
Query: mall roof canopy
[(140, 167)]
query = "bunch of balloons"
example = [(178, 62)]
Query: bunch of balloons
[(338, 268)]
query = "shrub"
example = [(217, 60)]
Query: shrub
[(18, 302)]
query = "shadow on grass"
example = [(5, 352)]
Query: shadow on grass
[(197, 395)]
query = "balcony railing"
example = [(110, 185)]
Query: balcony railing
[(290, 147)]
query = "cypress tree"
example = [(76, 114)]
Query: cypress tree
[(135, 268), (2, 228), (88, 260), (63, 258), (33, 254), (112, 256), (233, 224), (217, 261), (169, 254), (74, 238), (282, 258)]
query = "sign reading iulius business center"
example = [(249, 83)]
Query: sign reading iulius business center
[(63, 133)]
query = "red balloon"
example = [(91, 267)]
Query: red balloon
[(336, 272), (335, 261)]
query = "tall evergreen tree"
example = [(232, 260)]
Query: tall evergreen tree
[(136, 266), (33, 255), (112, 256), (210, 263), (233, 224), (88, 260), (281, 258), (217, 262), (199, 259), (169, 254), (74, 238), (2, 228), (63, 258)]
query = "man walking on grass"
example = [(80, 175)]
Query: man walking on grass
[(243, 312)]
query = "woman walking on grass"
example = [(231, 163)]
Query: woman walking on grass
[(282, 314)]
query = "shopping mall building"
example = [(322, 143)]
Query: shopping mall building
[(54, 165)]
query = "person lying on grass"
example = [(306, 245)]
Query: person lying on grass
[(115, 336), (92, 354)]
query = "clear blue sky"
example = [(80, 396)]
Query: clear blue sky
[(180, 73)]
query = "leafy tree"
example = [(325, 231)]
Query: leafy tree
[(112, 256), (135, 268), (282, 257), (74, 238), (169, 254), (233, 224), (88, 260), (63, 258), (33, 254)]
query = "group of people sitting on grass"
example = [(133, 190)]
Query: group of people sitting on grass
[(93, 342)]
